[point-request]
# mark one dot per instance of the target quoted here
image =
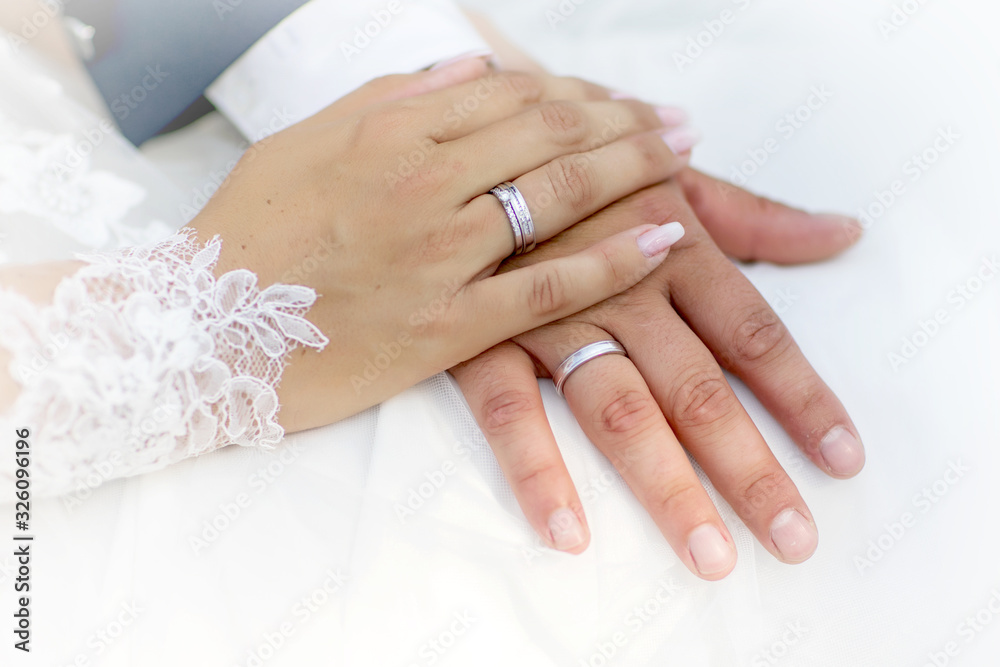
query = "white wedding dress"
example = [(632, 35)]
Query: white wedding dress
[(392, 539)]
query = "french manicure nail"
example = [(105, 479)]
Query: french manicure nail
[(843, 453), (682, 139), (566, 529), (709, 550), (794, 536), (672, 116), (656, 241)]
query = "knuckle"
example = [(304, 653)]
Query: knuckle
[(565, 120), (815, 402), (814, 406), (619, 279), (575, 88), (672, 500), (629, 412), (438, 245), (760, 334), (571, 179), (381, 121), (702, 398), (548, 293), (651, 157), (764, 488), (764, 208), (522, 86), (656, 206), (591, 91), (527, 471), (631, 305), (504, 409), (425, 177), (759, 210)]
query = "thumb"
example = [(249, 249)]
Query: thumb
[(752, 228)]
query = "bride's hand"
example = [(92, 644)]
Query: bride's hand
[(385, 213)]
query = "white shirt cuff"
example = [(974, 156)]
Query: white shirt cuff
[(328, 48)]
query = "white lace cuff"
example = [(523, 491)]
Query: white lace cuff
[(146, 358)]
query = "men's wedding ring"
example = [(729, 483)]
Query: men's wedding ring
[(582, 356), (517, 211)]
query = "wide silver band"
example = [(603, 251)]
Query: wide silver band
[(517, 211), (582, 356)]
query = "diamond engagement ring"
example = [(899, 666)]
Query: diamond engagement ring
[(517, 211)]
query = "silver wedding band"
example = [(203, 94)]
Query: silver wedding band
[(582, 356), (517, 211)]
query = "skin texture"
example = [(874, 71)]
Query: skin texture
[(690, 318), (403, 257), (408, 255), (679, 324)]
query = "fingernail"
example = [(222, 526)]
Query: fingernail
[(852, 226), (843, 453), (672, 116), (682, 139), (566, 529), (845, 220), (656, 241), (460, 58), (842, 220), (615, 95), (794, 536), (709, 550)]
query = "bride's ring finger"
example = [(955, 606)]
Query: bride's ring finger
[(569, 189)]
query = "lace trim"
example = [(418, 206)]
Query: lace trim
[(145, 358), (52, 177)]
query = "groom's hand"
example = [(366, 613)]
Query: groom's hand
[(681, 326)]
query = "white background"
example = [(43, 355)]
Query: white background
[(468, 552)]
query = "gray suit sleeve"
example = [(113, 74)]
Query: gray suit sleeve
[(158, 56)]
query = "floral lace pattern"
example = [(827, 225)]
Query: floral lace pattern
[(51, 177), (146, 358), (66, 172)]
